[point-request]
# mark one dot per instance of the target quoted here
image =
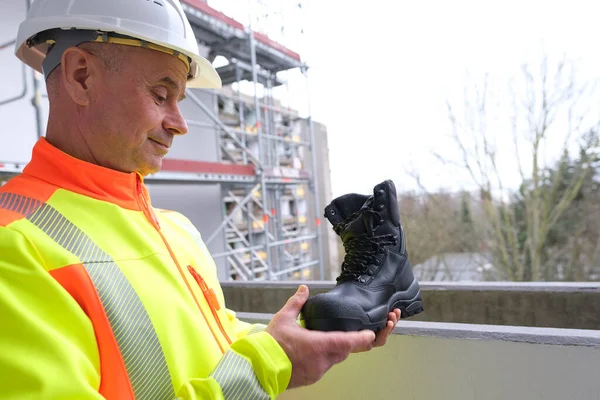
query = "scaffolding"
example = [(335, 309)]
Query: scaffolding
[(266, 164)]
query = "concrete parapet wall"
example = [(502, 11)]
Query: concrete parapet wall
[(556, 305)]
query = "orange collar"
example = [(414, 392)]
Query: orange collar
[(52, 165)]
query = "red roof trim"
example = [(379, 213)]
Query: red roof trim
[(205, 167), (271, 43), (205, 8)]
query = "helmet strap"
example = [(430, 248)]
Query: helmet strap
[(60, 40)]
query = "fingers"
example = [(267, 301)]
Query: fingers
[(294, 304), (382, 335)]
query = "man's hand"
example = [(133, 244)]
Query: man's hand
[(313, 353), (382, 335)]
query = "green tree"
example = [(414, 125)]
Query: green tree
[(547, 103)]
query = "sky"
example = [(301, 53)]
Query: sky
[(381, 72)]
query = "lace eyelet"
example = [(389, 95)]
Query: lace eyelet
[(369, 272), (381, 207)]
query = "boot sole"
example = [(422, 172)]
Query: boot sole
[(408, 307)]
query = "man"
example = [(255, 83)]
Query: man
[(102, 295)]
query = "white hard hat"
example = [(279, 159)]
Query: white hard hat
[(157, 24)]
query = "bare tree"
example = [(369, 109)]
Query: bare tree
[(546, 104), (437, 224)]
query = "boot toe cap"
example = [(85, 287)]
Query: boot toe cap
[(325, 305)]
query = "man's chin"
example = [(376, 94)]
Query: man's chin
[(152, 166)]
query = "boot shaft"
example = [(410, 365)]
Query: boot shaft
[(370, 229), (353, 214)]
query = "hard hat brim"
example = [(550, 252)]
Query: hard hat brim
[(204, 75)]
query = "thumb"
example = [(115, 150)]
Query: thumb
[(295, 303)]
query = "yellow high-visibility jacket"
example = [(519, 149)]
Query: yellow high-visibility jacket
[(103, 296)]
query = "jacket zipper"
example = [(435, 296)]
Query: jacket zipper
[(211, 299), (144, 204), (149, 214)]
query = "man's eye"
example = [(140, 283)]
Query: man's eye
[(160, 98)]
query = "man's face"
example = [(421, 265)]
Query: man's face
[(134, 113)]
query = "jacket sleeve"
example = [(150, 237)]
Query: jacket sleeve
[(47, 344), (242, 328), (254, 367)]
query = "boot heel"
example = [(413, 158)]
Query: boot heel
[(413, 308)]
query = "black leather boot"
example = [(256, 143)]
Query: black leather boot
[(376, 274)]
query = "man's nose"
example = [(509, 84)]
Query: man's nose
[(174, 121)]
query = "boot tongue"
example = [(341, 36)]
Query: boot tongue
[(368, 204), (365, 222), (344, 206)]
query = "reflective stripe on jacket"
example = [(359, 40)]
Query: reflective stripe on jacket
[(102, 295)]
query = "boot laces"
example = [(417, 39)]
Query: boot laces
[(361, 251)]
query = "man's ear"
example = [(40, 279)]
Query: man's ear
[(78, 68)]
